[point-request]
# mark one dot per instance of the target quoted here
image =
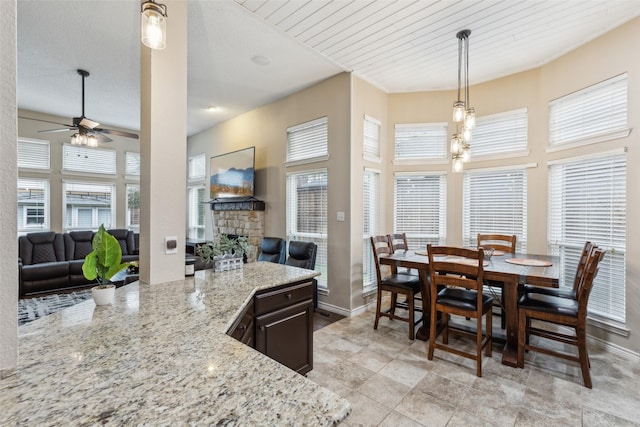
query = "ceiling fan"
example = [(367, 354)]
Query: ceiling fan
[(88, 132)]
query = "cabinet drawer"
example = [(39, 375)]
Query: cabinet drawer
[(276, 299)]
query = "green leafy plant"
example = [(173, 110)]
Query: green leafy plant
[(104, 261), (235, 247)]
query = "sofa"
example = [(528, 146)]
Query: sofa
[(50, 261)]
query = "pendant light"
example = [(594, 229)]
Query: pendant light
[(153, 24), (463, 114)]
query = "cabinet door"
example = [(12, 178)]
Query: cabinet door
[(242, 329), (286, 335)]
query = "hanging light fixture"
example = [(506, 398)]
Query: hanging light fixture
[(463, 113), (83, 137), (153, 24)]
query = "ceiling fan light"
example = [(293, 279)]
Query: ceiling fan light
[(74, 139), (92, 141), (153, 25)]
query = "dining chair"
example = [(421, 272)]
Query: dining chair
[(398, 242), (553, 311), (498, 242), (457, 289), (563, 292), (395, 283)]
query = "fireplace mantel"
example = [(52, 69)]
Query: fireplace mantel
[(237, 204)]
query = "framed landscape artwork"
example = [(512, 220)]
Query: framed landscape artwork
[(232, 174)]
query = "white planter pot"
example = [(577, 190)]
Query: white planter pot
[(103, 296)]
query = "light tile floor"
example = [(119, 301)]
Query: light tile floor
[(389, 382)]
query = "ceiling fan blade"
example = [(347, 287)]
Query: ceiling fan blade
[(90, 124), (46, 121), (57, 130), (102, 138), (117, 132)]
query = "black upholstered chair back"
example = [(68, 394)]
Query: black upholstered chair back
[(302, 254), (78, 244), (45, 246), (126, 240), (273, 249)]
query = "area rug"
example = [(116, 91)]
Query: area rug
[(33, 308)]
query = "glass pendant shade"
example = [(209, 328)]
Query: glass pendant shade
[(458, 111), (92, 141), (456, 143), (470, 118), (153, 25), (466, 134), (457, 164), (466, 155)]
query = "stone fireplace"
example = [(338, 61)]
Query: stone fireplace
[(241, 223)]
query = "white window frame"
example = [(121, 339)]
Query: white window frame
[(197, 168), (196, 204), (419, 143), (421, 213), (132, 165), (500, 135), (95, 215), (371, 139), (308, 142), (371, 186), (130, 224), (40, 184)]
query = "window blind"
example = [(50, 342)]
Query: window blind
[(593, 111), (500, 133), (308, 140), (33, 205), (495, 202), (87, 205), (196, 211), (132, 163), (587, 202), (133, 207), (88, 160), (33, 154), (419, 208), (197, 167), (307, 214), (371, 137), (371, 224), (420, 141)]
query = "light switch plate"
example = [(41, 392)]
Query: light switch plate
[(340, 216)]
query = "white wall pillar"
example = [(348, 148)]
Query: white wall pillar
[(8, 188), (163, 150)]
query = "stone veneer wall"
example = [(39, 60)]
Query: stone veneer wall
[(241, 223)]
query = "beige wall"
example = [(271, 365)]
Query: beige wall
[(29, 129), (265, 128)]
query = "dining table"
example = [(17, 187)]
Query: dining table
[(513, 270)]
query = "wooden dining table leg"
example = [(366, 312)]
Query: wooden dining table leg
[(510, 353), (423, 330)]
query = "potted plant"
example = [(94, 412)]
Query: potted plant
[(101, 264), (226, 254)]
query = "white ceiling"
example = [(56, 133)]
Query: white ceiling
[(398, 46)]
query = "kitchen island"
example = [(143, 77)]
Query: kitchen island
[(161, 356)]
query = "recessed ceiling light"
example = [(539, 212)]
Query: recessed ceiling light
[(260, 60), (212, 108)]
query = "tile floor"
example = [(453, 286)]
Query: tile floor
[(389, 382)]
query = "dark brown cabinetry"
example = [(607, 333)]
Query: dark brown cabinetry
[(279, 324)]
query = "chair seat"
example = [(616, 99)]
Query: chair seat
[(555, 292), (462, 299), (549, 304), (404, 281)]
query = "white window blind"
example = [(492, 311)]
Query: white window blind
[(371, 224), (500, 133), (87, 205), (33, 205), (133, 207), (33, 154), (420, 141), (419, 208), (371, 138), (587, 202), (88, 160), (595, 111), (196, 211), (308, 140), (307, 214), (132, 163), (197, 167), (495, 202)]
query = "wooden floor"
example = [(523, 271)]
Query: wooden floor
[(322, 318)]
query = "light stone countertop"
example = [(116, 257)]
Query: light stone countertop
[(160, 356)]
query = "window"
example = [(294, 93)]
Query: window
[(371, 149), (33, 205), (33, 154), (420, 141), (133, 207), (596, 111), (419, 208), (308, 141), (132, 163), (371, 224), (196, 211), (587, 201), (87, 205), (495, 201), (197, 167), (500, 133), (77, 158), (307, 214)]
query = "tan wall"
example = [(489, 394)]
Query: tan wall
[(30, 128), (265, 128)]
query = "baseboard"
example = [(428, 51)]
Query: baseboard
[(343, 311), (615, 349)]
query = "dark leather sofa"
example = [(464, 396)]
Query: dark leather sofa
[(51, 261)]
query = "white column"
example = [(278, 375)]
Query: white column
[(163, 148), (8, 188)]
